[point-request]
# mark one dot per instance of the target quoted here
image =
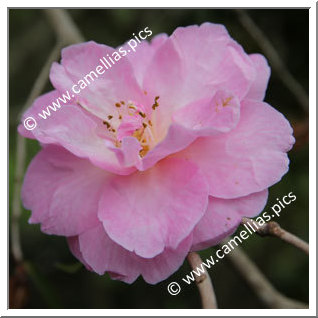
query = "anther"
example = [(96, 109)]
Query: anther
[(106, 123)]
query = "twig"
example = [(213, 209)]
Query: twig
[(72, 35), (64, 27), (203, 282), (16, 207), (273, 229), (259, 283), (42, 78), (276, 62), (21, 153)]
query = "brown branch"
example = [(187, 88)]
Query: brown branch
[(203, 282), (259, 283), (275, 60), (273, 229)]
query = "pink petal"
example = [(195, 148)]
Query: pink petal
[(165, 264), (248, 159), (128, 153), (145, 51), (62, 191), (163, 75), (99, 97), (210, 116), (73, 244), (263, 71), (103, 254), (196, 69), (177, 138), (198, 72), (148, 211), (223, 216), (75, 130)]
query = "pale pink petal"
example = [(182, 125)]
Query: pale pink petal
[(62, 191), (198, 60), (263, 71), (73, 244), (165, 264), (145, 51), (163, 74), (210, 116), (223, 216), (38, 188), (177, 138), (128, 153), (103, 254), (103, 90), (199, 63), (197, 70), (75, 130), (248, 159), (148, 211)]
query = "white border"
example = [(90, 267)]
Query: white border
[(157, 312)]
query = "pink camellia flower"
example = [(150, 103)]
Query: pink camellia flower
[(162, 155)]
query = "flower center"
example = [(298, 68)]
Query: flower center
[(132, 119)]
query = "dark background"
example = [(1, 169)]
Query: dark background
[(54, 278)]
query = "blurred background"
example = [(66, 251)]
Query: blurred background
[(49, 276)]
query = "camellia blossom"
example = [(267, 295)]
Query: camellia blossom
[(162, 155)]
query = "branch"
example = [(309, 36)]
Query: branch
[(16, 207), (276, 62), (203, 282), (72, 35), (42, 78), (63, 25), (259, 283), (273, 229), (21, 153)]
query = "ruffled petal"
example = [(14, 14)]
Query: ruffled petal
[(77, 131), (62, 191), (104, 255), (198, 70), (258, 89), (145, 51), (210, 116), (148, 211), (73, 244), (98, 92), (248, 159), (223, 216)]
